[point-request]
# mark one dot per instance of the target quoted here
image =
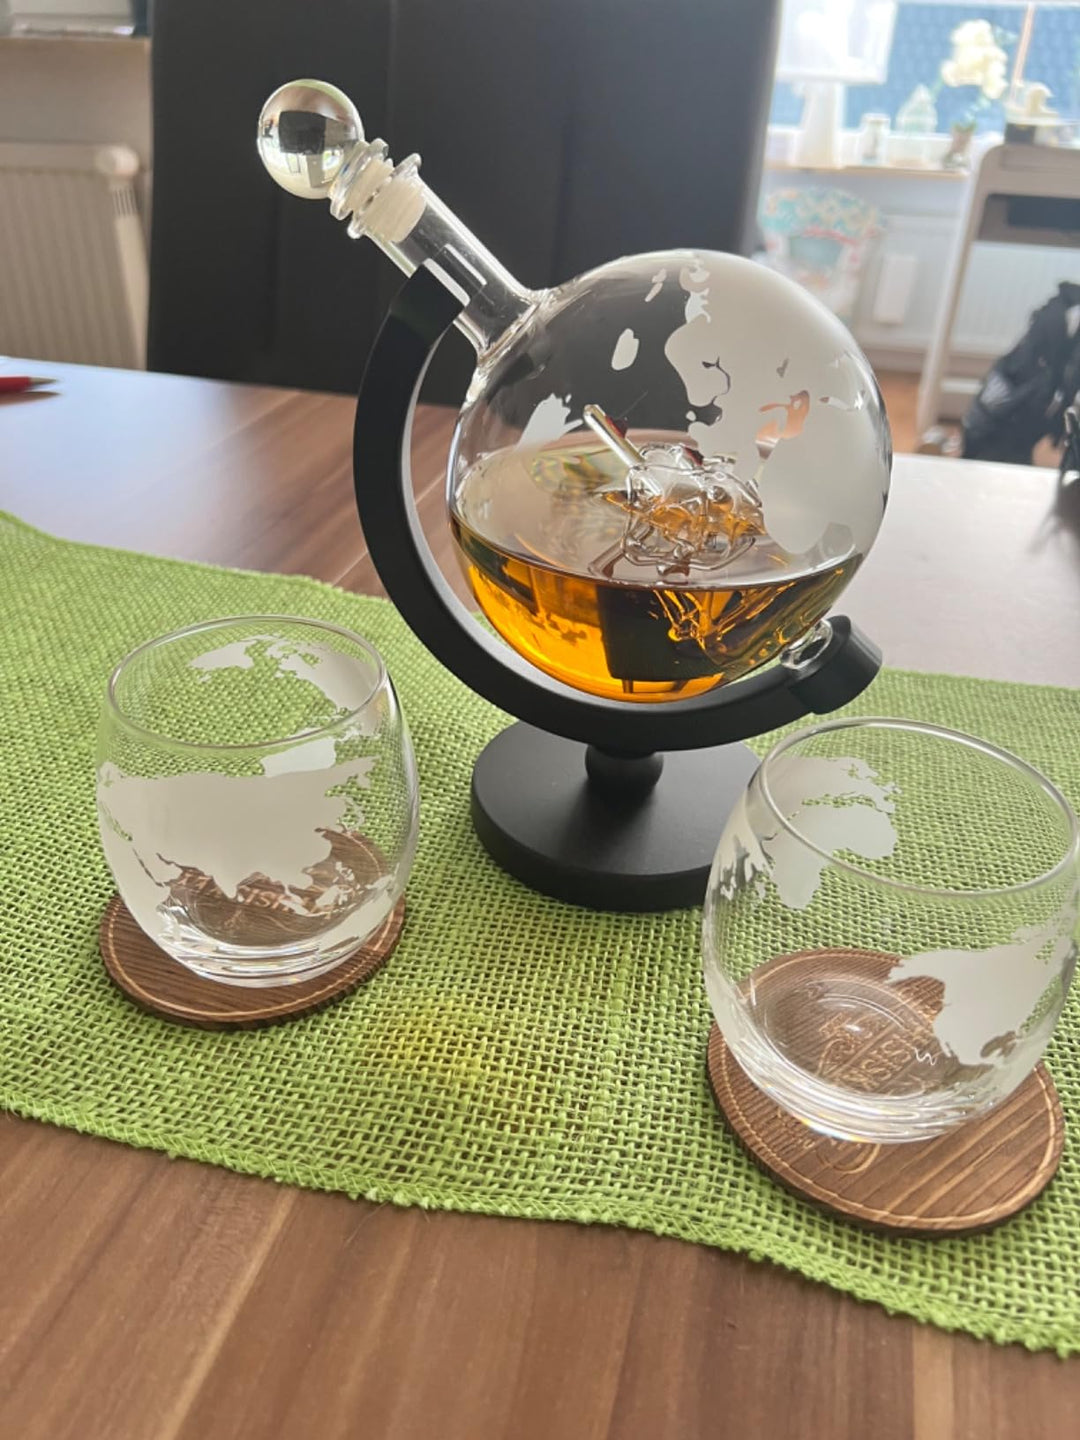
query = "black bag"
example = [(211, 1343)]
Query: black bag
[(1024, 396)]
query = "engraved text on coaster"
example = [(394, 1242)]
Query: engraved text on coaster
[(970, 1178)]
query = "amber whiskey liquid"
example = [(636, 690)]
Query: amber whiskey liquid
[(576, 582)]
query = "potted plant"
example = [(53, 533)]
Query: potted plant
[(977, 59)]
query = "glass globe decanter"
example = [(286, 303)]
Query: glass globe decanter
[(664, 471), (742, 476)]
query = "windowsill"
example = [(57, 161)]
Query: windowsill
[(915, 172), (782, 140), (73, 37)]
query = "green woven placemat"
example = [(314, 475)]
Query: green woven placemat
[(516, 1056)]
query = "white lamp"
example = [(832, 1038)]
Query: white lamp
[(825, 45)]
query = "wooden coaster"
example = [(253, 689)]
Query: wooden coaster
[(969, 1179), (158, 983)]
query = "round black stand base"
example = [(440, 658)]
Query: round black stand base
[(540, 817)]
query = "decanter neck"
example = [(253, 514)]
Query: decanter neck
[(408, 222)]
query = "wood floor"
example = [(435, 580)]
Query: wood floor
[(900, 391)]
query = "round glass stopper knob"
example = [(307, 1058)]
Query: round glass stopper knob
[(307, 130)]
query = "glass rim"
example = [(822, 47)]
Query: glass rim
[(939, 732), (246, 746)]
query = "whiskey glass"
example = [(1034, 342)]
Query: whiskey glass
[(890, 926), (257, 795)]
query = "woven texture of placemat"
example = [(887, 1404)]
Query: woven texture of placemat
[(516, 1056)]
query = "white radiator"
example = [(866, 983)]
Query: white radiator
[(1004, 284), (73, 272), (902, 290)]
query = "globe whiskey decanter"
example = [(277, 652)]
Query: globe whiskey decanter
[(663, 474), (750, 484)]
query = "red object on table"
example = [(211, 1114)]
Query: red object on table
[(16, 384)]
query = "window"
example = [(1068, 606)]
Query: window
[(921, 41)]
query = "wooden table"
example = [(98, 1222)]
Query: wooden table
[(166, 1300)]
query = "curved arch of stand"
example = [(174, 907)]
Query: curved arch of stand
[(422, 312)]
